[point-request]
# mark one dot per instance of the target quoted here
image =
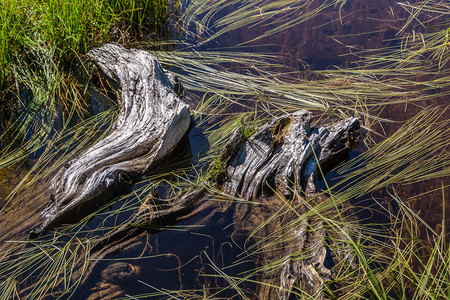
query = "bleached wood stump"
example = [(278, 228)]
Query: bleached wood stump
[(279, 164), (151, 122)]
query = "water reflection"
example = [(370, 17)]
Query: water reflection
[(182, 257)]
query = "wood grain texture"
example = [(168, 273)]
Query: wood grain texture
[(284, 153), (279, 164), (151, 122)]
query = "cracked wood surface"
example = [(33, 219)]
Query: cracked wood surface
[(151, 122), (284, 153), (278, 167)]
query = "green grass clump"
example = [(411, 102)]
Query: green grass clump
[(73, 26)]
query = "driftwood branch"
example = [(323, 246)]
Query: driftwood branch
[(151, 122), (279, 163)]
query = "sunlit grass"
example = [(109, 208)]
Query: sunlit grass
[(73, 26)]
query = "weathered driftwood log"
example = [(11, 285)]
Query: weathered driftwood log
[(283, 156), (278, 164), (151, 122)]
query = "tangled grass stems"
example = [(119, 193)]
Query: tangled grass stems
[(42, 81), (411, 159), (438, 8), (53, 261), (56, 150), (349, 92), (203, 17)]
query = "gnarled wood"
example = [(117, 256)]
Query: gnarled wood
[(284, 153), (280, 163), (151, 122)]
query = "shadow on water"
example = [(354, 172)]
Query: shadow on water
[(180, 257)]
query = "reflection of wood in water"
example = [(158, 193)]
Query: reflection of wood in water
[(183, 258), (284, 238), (247, 218)]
